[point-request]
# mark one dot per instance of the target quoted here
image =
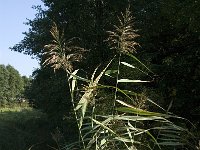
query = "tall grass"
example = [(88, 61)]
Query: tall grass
[(15, 109), (23, 129), (127, 125)]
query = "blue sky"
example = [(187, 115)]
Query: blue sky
[(13, 14)]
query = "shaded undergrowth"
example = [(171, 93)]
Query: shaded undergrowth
[(23, 129)]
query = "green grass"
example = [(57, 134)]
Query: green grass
[(14, 109), (24, 128)]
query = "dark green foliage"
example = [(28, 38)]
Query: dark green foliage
[(20, 130), (169, 39), (46, 96), (15, 82), (27, 86), (50, 93), (4, 76)]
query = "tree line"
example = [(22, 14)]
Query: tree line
[(13, 86)]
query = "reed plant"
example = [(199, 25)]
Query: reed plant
[(127, 125)]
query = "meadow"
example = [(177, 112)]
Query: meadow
[(24, 129)]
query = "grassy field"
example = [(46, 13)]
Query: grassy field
[(24, 129)]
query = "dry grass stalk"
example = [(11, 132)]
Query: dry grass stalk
[(123, 38), (61, 53)]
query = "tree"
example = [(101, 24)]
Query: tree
[(12, 85), (15, 82), (169, 40), (4, 76)]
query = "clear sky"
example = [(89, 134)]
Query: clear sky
[(13, 14)]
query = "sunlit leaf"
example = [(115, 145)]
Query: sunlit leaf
[(135, 58), (137, 111), (110, 72), (127, 64), (104, 126), (128, 80)]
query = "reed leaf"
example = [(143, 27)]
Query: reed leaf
[(128, 65), (129, 81)]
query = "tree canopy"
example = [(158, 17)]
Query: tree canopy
[(12, 84)]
